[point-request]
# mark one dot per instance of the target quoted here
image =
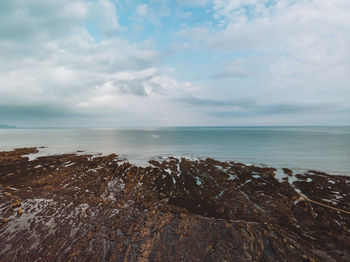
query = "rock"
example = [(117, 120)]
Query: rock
[(82, 208), (17, 203), (287, 171)]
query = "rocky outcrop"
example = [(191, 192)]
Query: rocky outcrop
[(100, 208)]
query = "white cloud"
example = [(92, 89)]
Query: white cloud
[(194, 2), (109, 22), (144, 14), (142, 9), (305, 44), (52, 59), (69, 55)]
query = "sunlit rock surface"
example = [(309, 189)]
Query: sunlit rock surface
[(101, 208)]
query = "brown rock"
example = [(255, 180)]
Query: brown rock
[(17, 203), (203, 210), (287, 171)]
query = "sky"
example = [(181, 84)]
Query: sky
[(110, 63)]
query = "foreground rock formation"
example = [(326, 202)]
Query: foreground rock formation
[(100, 208)]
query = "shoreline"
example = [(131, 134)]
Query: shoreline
[(72, 204), (144, 162), (314, 148)]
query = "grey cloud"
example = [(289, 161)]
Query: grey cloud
[(131, 87), (230, 73), (56, 31), (138, 86), (246, 106), (20, 19), (37, 111), (51, 58), (54, 64), (291, 108), (273, 109), (214, 102)]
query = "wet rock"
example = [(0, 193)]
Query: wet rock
[(84, 207), (287, 171), (17, 203)]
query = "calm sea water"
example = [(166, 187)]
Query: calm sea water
[(321, 148)]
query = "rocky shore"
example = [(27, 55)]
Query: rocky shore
[(76, 207)]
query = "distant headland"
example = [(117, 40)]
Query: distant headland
[(3, 126)]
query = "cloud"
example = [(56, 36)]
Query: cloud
[(230, 73), (142, 10), (194, 2), (52, 59), (144, 14), (275, 110), (24, 20), (249, 106), (205, 102), (36, 111), (255, 59), (303, 45)]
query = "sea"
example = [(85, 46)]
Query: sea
[(300, 148)]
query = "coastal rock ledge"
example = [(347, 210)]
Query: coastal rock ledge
[(76, 207)]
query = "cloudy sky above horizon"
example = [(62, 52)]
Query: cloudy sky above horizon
[(110, 63)]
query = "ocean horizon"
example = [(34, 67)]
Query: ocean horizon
[(301, 148)]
